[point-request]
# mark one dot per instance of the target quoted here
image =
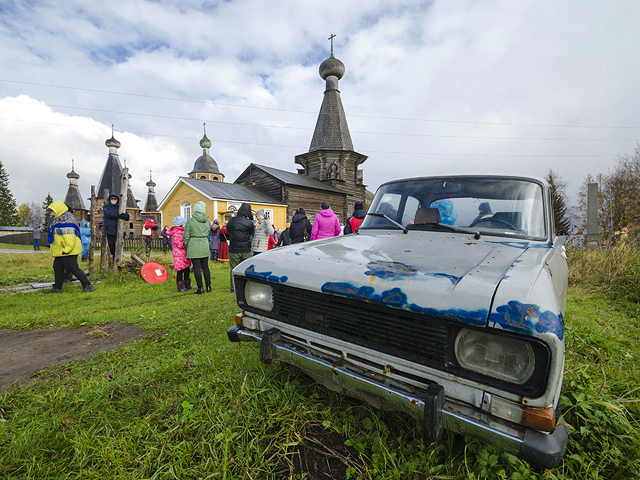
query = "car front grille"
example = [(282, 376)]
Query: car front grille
[(417, 338)]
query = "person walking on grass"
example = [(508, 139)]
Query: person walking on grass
[(326, 223), (196, 232), (65, 246), (240, 229), (147, 233), (181, 264)]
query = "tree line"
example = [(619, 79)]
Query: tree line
[(618, 201), (25, 215)]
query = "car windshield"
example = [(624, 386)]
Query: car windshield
[(499, 206)]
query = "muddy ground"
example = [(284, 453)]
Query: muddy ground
[(24, 353), (322, 455)]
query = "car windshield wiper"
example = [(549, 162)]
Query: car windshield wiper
[(382, 215), (450, 228)]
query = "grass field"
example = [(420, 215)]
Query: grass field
[(184, 402)]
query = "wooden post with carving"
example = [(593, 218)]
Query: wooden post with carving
[(93, 228), (104, 247), (124, 188)]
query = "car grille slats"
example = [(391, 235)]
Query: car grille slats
[(417, 338)]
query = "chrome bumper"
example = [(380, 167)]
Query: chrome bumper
[(432, 408)]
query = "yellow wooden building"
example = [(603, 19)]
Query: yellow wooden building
[(206, 183)]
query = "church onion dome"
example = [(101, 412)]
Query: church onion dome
[(331, 67), (205, 164), (73, 174), (150, 183), (205, 142), (112, 142)]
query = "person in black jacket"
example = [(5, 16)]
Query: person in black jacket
[(284, 238), (111, 215), (300, 229), (241, 230)]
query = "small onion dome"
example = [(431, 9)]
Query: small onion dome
[(205, 142), (112, 142), (151, 183), (73, 174), (331, 67)]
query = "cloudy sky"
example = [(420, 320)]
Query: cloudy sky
[(430, 87)]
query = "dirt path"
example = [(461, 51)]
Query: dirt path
[(24, 353)]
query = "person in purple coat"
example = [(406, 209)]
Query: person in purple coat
[(326, 223), (214, 240)]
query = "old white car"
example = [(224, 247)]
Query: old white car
[(447, 304)]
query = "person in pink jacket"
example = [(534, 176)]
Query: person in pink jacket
[(326, 223), (181, 263)]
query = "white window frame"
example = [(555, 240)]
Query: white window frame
[(185, 210)]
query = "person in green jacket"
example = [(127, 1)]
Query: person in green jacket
[(196, 232), (65, 245)]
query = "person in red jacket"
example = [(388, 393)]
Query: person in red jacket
[(356, 219)]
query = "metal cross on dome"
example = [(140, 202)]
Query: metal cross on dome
[(331, 38)]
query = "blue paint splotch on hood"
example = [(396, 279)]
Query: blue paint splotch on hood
[(396, 298), (250, 272), (389, 269), (396, 270), (527, 317)]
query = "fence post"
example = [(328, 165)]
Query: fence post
[(124, 188), (93, 228), (104, 248)]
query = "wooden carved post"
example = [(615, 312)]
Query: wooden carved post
[(93, 228), (123, 209), (104, 248)]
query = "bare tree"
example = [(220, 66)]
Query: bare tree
[(618, 197)]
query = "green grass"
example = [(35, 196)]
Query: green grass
[(11, 246), (184, 402)]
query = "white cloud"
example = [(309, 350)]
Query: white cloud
[(519, 77)]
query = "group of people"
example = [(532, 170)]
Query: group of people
[(193, 242)]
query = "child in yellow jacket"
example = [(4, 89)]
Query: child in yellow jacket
[(65, 244)]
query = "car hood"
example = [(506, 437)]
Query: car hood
[(441, 274)]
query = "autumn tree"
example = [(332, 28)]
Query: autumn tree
[(561, 215), (7, 202), (24, 216), (618, 197)]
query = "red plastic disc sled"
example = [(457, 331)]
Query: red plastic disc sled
[(154, 272)]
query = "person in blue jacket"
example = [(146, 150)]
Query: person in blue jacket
[(85, 237)]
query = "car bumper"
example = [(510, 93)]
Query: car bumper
[(433, 409)]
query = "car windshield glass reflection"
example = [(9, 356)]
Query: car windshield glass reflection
[(493, 206)]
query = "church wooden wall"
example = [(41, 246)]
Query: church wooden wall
[(263, 182), (310, 200)]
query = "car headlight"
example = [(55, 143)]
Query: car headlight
[(259, 295), (496, 356)]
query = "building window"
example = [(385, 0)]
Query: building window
[(203, 177), (185, 210), (268, 215)]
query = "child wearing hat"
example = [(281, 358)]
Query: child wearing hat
[(181, 264)]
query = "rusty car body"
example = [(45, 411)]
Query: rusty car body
[(437, 306)]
